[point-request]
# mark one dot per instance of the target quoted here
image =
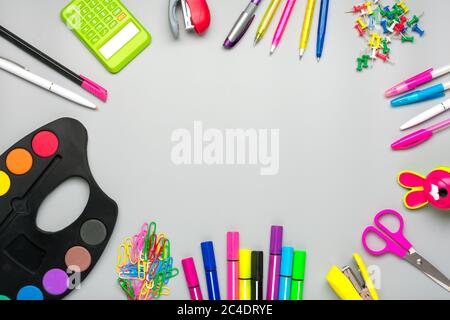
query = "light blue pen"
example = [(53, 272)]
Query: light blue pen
[(433, 92), (287, 260)]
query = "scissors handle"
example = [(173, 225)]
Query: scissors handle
[(395, 242)]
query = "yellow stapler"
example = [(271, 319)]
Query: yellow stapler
[(346, 284)]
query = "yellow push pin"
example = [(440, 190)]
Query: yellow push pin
[(369, 8), (402, 5), (375, 41), (361, 23)]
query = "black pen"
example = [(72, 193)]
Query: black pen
[(257, 275), (81, 80)]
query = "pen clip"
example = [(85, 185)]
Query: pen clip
[(13, 62)]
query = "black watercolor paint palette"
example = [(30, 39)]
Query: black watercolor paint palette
[(35, 264)]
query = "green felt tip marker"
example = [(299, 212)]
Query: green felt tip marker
[(298, 275)]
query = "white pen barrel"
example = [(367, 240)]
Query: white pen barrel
[(24, 74), (72, 96), (441, 71)]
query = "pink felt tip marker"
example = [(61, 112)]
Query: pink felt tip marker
[(420, 136), (282, 25), (233, 265), (416, 81), (190, 272)]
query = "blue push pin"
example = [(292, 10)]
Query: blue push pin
[(371, 22), (417, 29), (384, 26)]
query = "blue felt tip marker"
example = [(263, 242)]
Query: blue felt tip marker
[(209, 262), (437, 91), (287, 259)]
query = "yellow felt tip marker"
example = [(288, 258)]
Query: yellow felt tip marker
[(245, 274), (267, 18), (307, 22)]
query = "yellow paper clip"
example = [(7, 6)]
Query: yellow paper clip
[(347, 286), (362, 23), (121, 257)]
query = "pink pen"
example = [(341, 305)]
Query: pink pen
[(273, 281), (419, 136), (233, 265), (417, 80), (282, 24), (192, 279)]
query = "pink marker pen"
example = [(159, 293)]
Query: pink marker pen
[(192, 279), (233, 265), (282, 25), (417, 80), (276, 240)]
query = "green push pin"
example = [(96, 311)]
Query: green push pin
[(365, 59), (386, 48), (415, 19), (359, 68), (381, 11), (397, 10), (407, 39)]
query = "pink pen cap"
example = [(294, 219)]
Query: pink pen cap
[(410, 84), (233, 246), (94, 88), (190, 273), (412, 139)]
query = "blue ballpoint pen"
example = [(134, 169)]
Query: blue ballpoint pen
[(433, 92), (209, 262), (287, 260), (323, 17)]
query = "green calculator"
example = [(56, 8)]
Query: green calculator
[(108, 29)]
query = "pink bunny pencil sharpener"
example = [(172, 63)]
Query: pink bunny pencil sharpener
[(433, 189)]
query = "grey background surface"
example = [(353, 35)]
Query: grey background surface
[(336, 167)]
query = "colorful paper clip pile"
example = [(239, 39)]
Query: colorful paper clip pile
[(144, 264), (379, 25)]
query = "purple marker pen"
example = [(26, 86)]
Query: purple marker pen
[(276, 239)]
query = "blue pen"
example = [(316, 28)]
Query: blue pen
[(287, 260), (433, 92), (323, 17), (209, 262)]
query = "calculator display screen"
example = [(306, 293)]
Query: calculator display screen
[(119, 40)]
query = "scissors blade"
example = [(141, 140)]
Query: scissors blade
[(423, 265)]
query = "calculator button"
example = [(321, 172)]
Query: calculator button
[(81, 5), (94, 22), (112, 6), (105, 2), (93, 3), (91, 34), (103, 14), (98, 8), (89, 16), (116, 11), (121, 16), (103, 32), (108, 19), (85, 29), (113, 24), (100, 26), (84, 11), (95, 39)]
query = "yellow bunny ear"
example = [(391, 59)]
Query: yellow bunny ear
[(411, 180), (443, 168)]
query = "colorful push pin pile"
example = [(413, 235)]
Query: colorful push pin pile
[(379, 25), (144, 265)]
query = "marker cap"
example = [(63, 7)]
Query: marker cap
[(209, 260), (287, 256), (298, 266), (257, 265), (245, 264), (232, 245), (276, 239), (190, 272)]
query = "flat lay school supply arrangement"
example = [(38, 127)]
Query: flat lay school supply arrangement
[(245, 270), (145, 265), (38, 265)]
